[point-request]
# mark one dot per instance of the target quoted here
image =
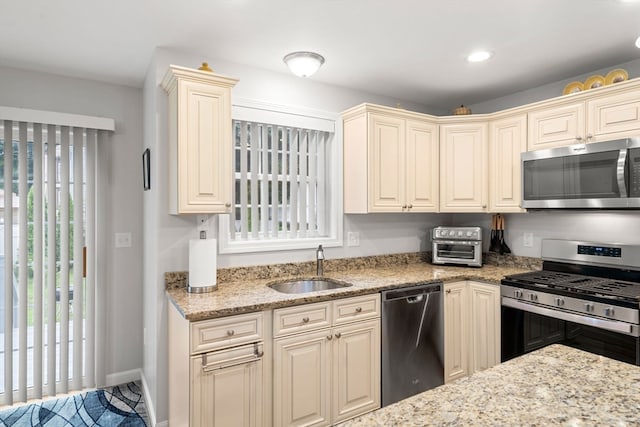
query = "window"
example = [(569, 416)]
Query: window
[(286, 181), (47, 252)]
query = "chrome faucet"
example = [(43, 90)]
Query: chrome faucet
[(320, 261)]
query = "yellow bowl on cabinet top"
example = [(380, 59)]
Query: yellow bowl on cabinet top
[(594, 82)]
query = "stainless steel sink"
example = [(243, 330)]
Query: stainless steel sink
[(307, 285)]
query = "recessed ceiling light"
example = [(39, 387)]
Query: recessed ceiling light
[(638, 42), (479, 56)]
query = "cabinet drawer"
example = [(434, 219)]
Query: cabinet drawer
[(300, 318), (356, 308), (226, 332)]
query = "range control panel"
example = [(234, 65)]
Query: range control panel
[(610, 251), (456, 233)]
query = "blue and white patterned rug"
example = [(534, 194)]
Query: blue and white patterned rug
[(115, 406)]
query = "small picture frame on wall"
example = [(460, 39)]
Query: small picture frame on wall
[(146, 169)]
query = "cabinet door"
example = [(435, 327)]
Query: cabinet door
[(356, 369), (422, 167), (455, 331), (301, 375), (226, 396), (614, 116), (204, 148), (386, 163), (507, 139), (484, 326), (556, 126), (463, 177)]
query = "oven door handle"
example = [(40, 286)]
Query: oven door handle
[(610, 325)]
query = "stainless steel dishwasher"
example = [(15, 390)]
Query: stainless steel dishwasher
[(412, 341)]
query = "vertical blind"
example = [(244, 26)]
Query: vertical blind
[(48, 285), (279, 182)]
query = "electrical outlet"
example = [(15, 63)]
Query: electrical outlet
[(202, 220), (123, 240), (353, 238), (527, 240)]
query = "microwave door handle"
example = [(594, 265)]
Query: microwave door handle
[(621, 171)]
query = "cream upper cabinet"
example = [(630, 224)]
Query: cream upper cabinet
[(609, 112), (471, 328), (390, 161), (614, 116), (556, 126), (323, 374), (507, 140), (463, 162), (200, 141)]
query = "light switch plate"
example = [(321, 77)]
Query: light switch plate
[(527, 240), (123, 240)]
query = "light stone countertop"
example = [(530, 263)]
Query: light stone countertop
[(241, 296), (556, 385)]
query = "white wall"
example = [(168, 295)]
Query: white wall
[(120, 160), (551, 90)]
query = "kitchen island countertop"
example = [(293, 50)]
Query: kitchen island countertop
[(556, 385), (254, 295)]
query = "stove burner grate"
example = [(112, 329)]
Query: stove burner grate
[(580, 284)]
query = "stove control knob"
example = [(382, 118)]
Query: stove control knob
[(533, 297), (608, 311), (559, 302), (469, 233), (517, 293), (460, 233), (588, 307)]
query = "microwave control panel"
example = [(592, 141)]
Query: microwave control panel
[(634, 172)]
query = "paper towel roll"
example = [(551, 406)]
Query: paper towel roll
[(202, 265)]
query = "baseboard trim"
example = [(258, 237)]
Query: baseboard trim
[(123, 377), (151, 410)]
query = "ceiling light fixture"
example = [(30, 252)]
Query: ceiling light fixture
[(638, 42), (303, 64), (479, 56)]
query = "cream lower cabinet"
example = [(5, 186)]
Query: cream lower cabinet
[(326, 361), (463, 166), (471, 328), (216, 371)]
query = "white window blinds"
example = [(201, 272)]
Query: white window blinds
[(47, 254)]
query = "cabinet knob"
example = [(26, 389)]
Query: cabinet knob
[(358, 309), (404, 206), (338, 334), (230, 332), (410, 206), (578, 138), (589, 136), (484, 206), (305, 320), (448, 291), (227, 205), (329, 337)]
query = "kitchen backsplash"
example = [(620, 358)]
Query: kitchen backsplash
[(177, 279)]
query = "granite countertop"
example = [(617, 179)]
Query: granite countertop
[(247, 295), (556, 385)]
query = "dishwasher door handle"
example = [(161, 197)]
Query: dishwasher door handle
[(415, 299)]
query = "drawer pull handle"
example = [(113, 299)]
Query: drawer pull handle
[(338, 334), (329, 337), (305, 320), (230, 332), (257, 351), (358, 309)]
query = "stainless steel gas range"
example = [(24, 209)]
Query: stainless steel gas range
[(587, 296)]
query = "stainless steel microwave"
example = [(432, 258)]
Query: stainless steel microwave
[(600, 175)]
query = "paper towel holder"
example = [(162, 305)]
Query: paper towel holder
[(201, 289)]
